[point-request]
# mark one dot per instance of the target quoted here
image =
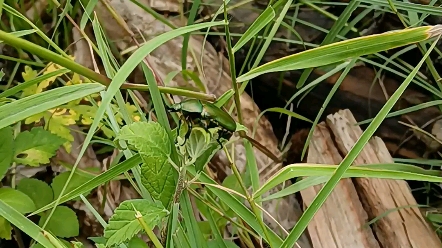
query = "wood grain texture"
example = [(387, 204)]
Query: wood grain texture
[(338, 223), (404, 227)]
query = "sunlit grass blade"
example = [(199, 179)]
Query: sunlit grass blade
[(26, 225), (104, 177), (264, 18), (343, 50), (320, 198), (21, 109)]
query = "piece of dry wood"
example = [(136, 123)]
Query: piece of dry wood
[(339, 221), (167, 59), (405, 227)]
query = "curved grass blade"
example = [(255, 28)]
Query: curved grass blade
[(27, 226), (311, 181), (21, 109), (343, 50), (320, 170)]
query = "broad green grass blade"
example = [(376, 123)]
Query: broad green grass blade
[(104, 177), (215, 230), (320, 198), (343, 50), (25, 225), (263, 19), (190, 21), (51, 56), (173, 224), (193, 231), (24, 85), (21, 109)]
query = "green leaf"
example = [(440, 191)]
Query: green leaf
[(136, 242), (59, 181), (123, 225), (152, 142), (21, 109), (36, 147), (18, 200), (344, 50), (63, 223), (39, 191), (200, 147), (5, 229), (6, 150)]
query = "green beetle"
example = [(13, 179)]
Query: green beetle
[(206, 114)]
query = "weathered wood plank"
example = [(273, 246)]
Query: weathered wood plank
[(338, 223), (405, 227)]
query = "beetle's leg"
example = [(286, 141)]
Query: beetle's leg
[(189, 130), (219, 141), (178, 130)]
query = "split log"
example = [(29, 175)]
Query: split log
[(339, 222)]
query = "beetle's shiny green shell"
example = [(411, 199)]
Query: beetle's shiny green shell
[(191, 106), (218, 115), (207, 111)]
